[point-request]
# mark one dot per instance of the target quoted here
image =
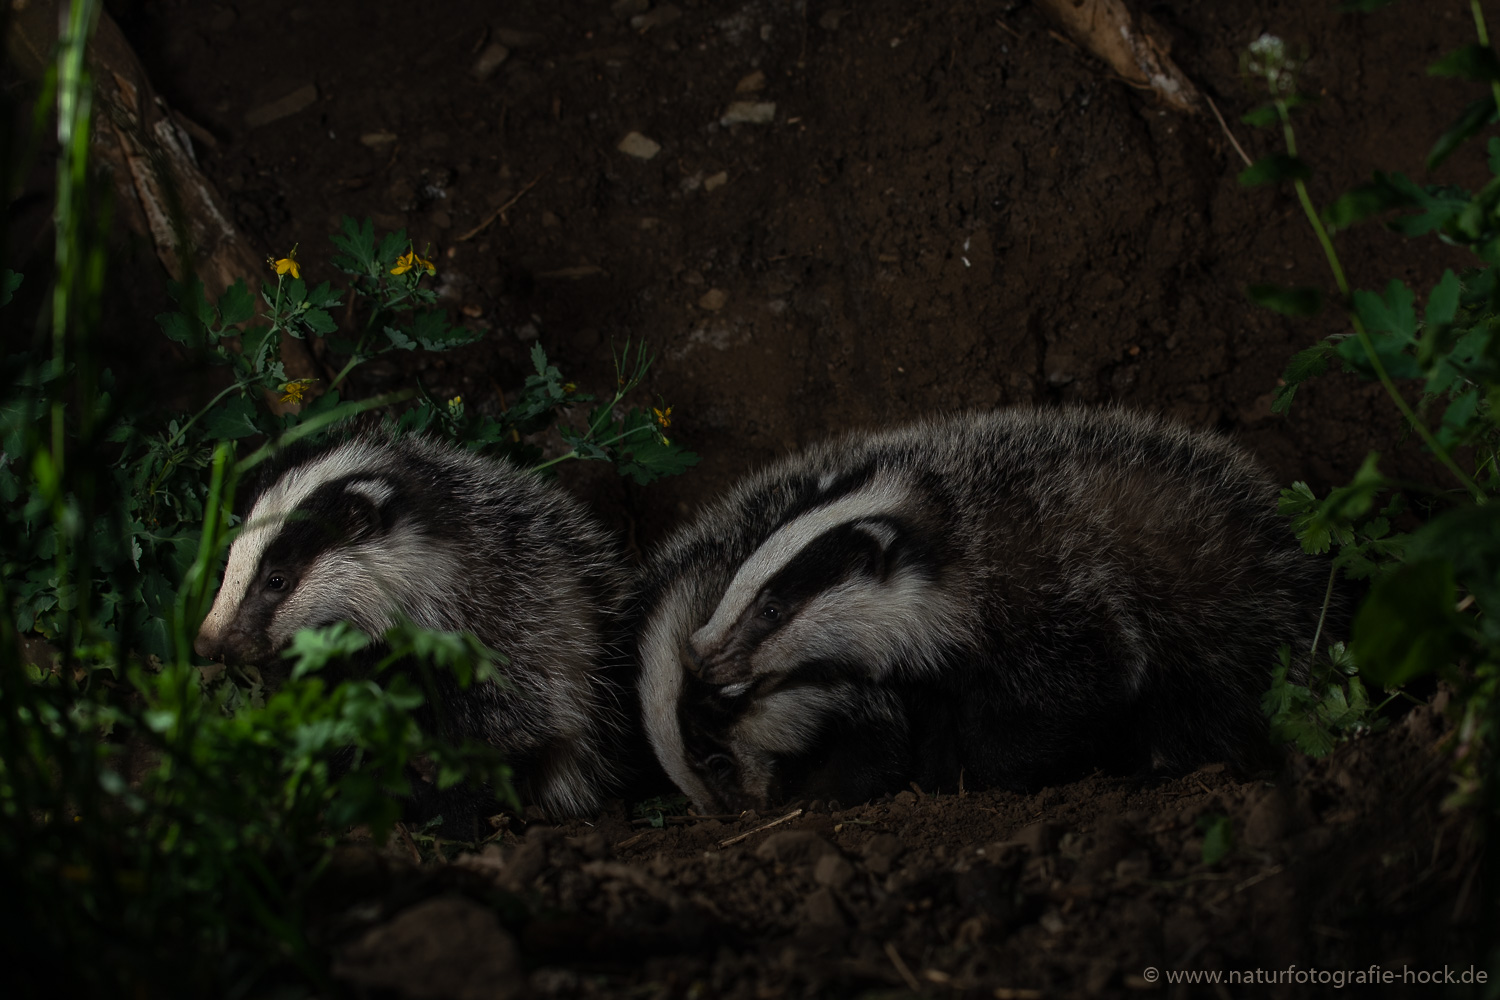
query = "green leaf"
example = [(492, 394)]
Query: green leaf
[(1218, 838), (357, 241), (1287, 301), (1475, 117), (232, 418), (1306, 364), (399, 340), (1391, 322), (9, 282), (236, 305), (1442, 302), (319, 322), (1274, 168), (183, 329), (1472, 62), (1407, 627), (430, 329), (1262, 117)]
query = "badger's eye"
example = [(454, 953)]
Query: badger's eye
[(276, 582), (771, 613)]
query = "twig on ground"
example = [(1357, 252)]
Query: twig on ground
[(497, 213), (1225, 126), (764, 826), (901, 967)]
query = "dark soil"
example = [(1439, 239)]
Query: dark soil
[(951, 207)]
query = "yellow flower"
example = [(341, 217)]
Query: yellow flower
[(292, 391), (287, 264), (410, 261), (663, 417)]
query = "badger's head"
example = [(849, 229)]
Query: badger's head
[(809, 738), (865, 591), (331, 539)]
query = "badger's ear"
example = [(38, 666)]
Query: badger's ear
[(363, 509), (877, 540)]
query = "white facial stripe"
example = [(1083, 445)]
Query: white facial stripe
[(366, 584), (264, 523), (880, 497), (661, 683), (899, 626)]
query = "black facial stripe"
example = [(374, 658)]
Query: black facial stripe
[(833, 556), (810, 496), (333, 515)]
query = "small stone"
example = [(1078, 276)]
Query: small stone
[(820, 909), (446, 947), (519, 39), (377, 140), (298, 100), (636, 145), (713, 300), (629, 8), (716, 181), (1038, 838), (658, 18), (751, 82), (905, 798), (833, 871), (794, 847), (749, 113), (1269, 821), (489, 60), (881, 851)]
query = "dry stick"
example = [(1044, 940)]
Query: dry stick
[(764, 826), (502, 209), (1225, 126), (1256, 879), (901, 967)]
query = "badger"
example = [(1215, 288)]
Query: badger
[(372, 527), (1001, 599)]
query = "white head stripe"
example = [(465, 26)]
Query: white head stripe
[(266, 518), (881, 496)]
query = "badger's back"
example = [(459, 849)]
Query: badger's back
[(369, 529), (1080, 584)]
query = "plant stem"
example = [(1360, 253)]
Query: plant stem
[(1359, 327), (1333, 573), (1484, 39)]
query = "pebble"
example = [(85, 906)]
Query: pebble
[(448, 947), (833, 871), (636, 145), (1038, 838), (794, 847), (660, 17), (751, 82), (716, 181), (489, 60), (375, 140), (820, 909), (749, 113), (298, 100), (713, 300)]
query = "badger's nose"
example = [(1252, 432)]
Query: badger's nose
[(208, 646)]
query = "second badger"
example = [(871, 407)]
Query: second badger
[(371, 528), (1007, 599)]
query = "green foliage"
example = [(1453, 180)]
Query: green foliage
[(1218, 838), (657, 809), (170, 821), (1431, 554), (1333, 705)]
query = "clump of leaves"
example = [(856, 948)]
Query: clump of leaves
[(1433, 595), (1218, 837)]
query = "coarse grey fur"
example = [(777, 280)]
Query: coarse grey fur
[(1007, 599), (373, 528)]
